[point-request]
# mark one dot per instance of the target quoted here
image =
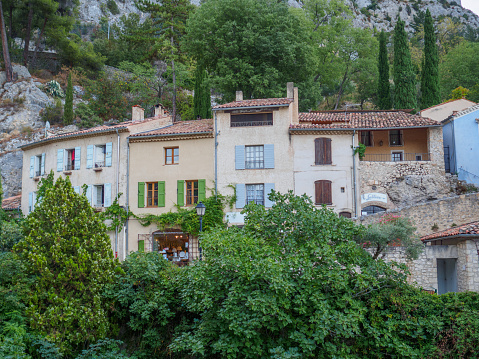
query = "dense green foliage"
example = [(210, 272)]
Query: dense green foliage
[(202, 99), (68, 108), (384, 90), (430, 95), (68, 251), (404, 76)]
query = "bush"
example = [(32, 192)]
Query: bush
[(10, 234), (54, 89), (52, 113), (113, 7), (86, 116)]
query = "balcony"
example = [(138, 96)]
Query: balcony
[(397, 157)]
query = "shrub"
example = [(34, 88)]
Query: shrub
[(113, 7), (86, 116), (52, 113), (54, 89)]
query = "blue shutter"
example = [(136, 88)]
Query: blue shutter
[(42, 166), (109, 150), (60, 160), (88, 193), (268, 187), (32, 166), (89, 156), (77, 158), (30, 202), (268, 156), (240, 195), (34, 199), (77, 189), (107, 194), (239, 157)]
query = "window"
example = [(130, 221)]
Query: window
[(366, 211), (100, 154), (172, 155), (323, 192), (396, 156), (253, 119), (98, 196), (345, 214), (152, 194), (191, 192), (32, 200), (395, 138), (255, 193), (37, 165), (367, 138), (322, 151), (70, 160), (254, 157)]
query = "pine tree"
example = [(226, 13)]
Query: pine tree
[(68, 109), (202, 100), (68, 251), (404, 76), (430, 71), (384, 91)]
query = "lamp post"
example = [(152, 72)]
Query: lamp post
[(200, 211)]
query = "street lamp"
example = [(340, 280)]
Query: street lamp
[(200, 211)]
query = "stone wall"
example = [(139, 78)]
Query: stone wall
[(444, 213)]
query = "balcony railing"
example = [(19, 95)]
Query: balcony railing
[(397, 157), (38, 173), (69, 166)]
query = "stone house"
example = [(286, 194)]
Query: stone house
[(96, 157), (461, 138)]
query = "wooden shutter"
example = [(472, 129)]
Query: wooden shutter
[(107, 195), (60, 160), (30, 202), (322, 151), (42, 165), (32, 166), (89, 194), (240, 195), (77, 189), (268, 156), (323, 193), (180, 193), (77, 158), (268, 187), (201, 190), (109, 151), (161, 194), (89, 156), (239, 158), (141, 194), (141, 246)]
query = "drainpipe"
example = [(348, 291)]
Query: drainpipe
[(117, 182), (354, 178), (127, 192), (216, 158)]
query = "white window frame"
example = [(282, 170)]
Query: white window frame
[(96, 188), (255, 193), (393, 152), (254, 157), (96, 152), (38, 166)]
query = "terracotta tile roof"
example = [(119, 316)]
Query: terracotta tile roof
[(446, 102), (256, 102), (11, 203), (181, 128), (361, 119), (468, 228)]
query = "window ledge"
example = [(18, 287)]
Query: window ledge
[(67, 173), (36, 179), (330, 164), (98, 209), (98, 169)]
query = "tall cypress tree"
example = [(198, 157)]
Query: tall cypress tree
[(404, 76), (68, 109), (430, 70), (384, 91), (202, 100)]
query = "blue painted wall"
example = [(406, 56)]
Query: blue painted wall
[(448, 139)]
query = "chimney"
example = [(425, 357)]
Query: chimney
[(137, 113), (289, 89), (159, 111), (239, 95)]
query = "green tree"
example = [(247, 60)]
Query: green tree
[(68, 108), (430, 95), (202, 99), (291, 284), (251, 45), (68, 251), (384, 91), (404, 76)]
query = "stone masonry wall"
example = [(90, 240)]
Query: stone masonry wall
[(443, 212)]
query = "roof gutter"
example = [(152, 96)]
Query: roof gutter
[(359, 129), (171, 135), (249, 107), (456, 236)]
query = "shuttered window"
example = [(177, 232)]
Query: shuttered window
[(152, 194), (323, 192), (141, 194), (322, 151)]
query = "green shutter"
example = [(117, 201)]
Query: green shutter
[(141, 246), (201, 190), (161, 193), (141, 194), (180, 193)]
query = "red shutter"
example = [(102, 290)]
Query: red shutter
[(319, 192), (322, 151)]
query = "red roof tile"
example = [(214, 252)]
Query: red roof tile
[(468, 228), (361, 119), (256, 102), (181, 127), (12, 202)]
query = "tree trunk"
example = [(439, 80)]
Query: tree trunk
[(174, 76), (341, 89), (37, 45), (27, 34), (6, 53)]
